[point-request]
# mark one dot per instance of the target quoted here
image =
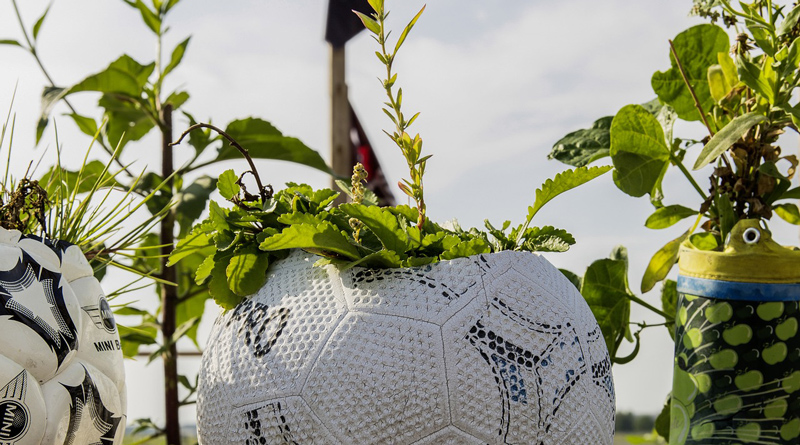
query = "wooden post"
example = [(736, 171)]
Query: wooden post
[(169, 294), (341, 144)]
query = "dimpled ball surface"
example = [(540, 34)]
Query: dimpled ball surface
[(62, 379), (498, 349)]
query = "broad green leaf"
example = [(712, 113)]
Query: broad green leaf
[(227, 185), (133, 337), (788, 22), (697, 49), (662, 263), (192, 201), (300, 218), (669, 303), (668, 216), (369, 23), (788, 213), (218, 216), (11, 42), (581, 147), (177, 56), (377, 5), (467, 248), (124, 75), (218, 286), (638, 151), (605, 289), (127, 121), (150, 18), (704, 241), (38, 25), (563, 182), (87, 125), (247, 270), (204, 270), (762, 80), (547, 239), (190, 244), (321, 238), (382, 223), (726, 137), (264, 141)]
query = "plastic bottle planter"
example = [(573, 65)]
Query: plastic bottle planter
[(61, 375), (488, 349), (737, 352)]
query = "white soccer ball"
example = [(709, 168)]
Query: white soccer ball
[(62, 379), (496, 348)]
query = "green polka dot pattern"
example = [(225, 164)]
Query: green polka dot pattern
[(737, 372)]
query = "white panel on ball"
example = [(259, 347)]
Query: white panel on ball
[(61, 371), (496, 348)]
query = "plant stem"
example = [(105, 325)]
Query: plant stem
[(691, 90), (652, 308), (242, 150), (169, 294), (409, 152), (682, 168)]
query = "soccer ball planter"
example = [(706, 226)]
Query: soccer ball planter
[(62, 379), (496, 348)]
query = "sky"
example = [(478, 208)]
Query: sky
[(497, 84)]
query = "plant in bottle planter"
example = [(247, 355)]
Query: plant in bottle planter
[(733, 306), (61, 370), (364, 324)]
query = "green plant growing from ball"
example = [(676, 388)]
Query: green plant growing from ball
[(242, 241)]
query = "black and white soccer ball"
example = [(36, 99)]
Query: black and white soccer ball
[(498, 349), (62, 379)]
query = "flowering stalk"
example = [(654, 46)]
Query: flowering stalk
[(357, 182)]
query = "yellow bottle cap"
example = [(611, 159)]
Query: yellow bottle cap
[(750, 255)]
